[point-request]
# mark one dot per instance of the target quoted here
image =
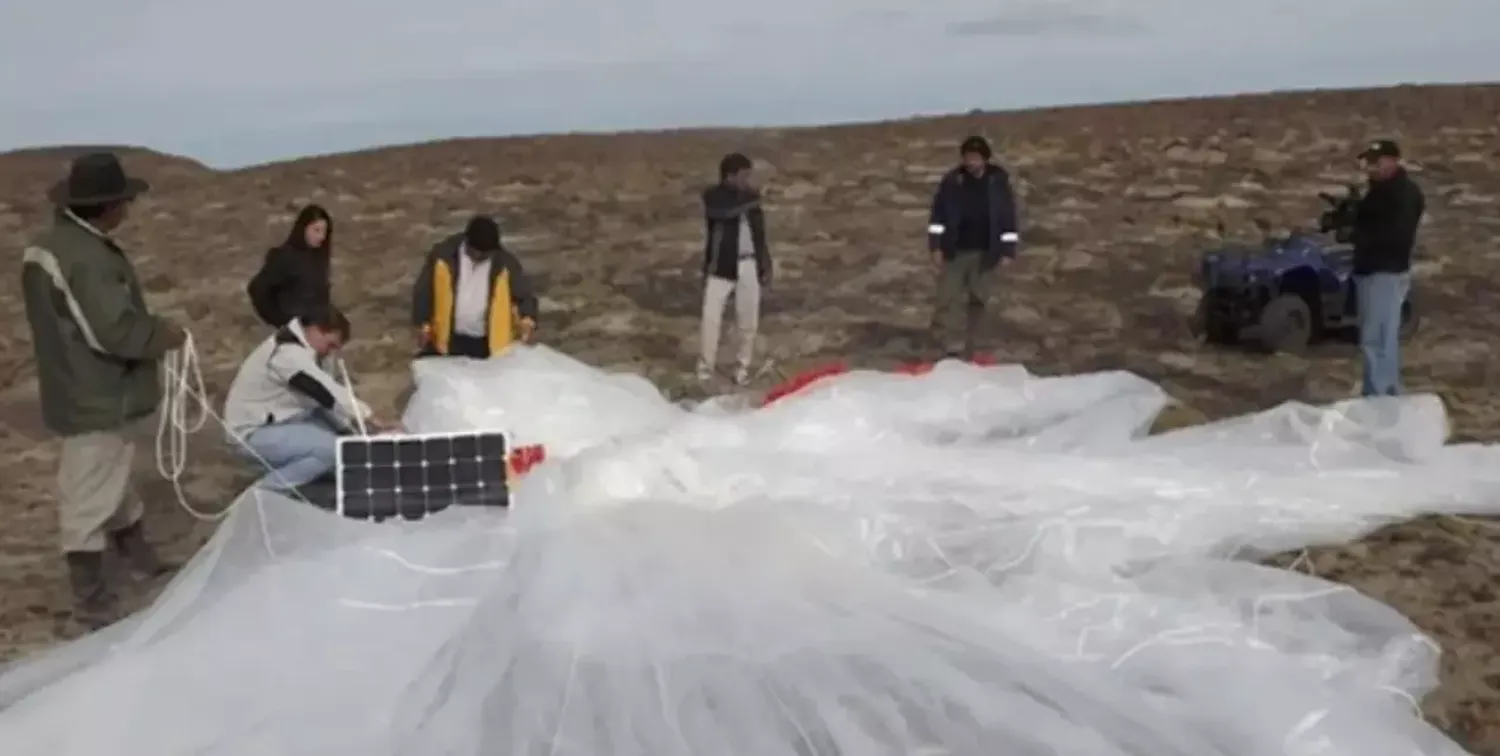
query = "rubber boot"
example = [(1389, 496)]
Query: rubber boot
[(138, 554), (94, 604)]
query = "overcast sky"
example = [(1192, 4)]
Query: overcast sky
[(233, 83)]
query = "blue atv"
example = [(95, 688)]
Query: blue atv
[(1287, 292)]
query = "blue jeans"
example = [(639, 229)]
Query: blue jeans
[(1380, 296), (298, 450)]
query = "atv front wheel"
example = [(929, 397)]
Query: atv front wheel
[(1285, 325), (1211, 325)]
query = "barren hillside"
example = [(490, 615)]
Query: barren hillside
[(1117, 200)]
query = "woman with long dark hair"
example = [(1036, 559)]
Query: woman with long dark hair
[(295, 276)]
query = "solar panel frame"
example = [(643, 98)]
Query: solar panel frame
[(399, 476)]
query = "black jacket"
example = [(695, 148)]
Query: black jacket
[(725, 207), (1385, 225), (290, 281), (948, 209)]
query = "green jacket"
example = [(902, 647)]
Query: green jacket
[(96, 344)]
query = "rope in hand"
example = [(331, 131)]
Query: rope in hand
[(182, 387)]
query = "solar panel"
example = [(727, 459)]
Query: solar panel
[(412, 476)]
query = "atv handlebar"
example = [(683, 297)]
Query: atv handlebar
[(1339, 217)]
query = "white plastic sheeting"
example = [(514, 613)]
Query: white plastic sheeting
[(971, 562)]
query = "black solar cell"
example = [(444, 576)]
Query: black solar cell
[(413, 476)]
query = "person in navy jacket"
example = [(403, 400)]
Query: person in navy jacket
[(972, 231)]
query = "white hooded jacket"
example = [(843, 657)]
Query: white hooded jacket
[(283, 379)]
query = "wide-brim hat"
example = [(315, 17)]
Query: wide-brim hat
[(96, 179)]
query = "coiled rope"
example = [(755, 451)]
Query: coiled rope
[(182, 387), (183, 394)]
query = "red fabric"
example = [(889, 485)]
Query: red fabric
[(923, 368), (807, 378), (801, 381), (524, 458)]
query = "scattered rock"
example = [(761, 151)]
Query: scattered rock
[(1183, 154), (1220, 202)]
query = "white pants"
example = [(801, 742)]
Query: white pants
[(716, 293)]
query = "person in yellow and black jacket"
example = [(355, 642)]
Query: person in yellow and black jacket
[(472, 298)]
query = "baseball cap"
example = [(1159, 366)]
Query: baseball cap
[(1380, 148)]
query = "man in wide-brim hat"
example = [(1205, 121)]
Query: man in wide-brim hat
[(97, 349)]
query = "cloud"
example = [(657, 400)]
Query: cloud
[(1041, 18), (234, 82)]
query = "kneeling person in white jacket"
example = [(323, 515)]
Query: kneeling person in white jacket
[(285, 408)]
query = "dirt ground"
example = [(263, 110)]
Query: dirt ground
[(1117, 203)]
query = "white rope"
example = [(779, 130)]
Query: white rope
[(182, 386), (354, 404)]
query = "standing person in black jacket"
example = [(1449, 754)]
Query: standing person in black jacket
[(1385, 231), (294, 279), (972, 231), (736, 260)]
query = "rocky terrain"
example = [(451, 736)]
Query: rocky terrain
[(1118, 201)]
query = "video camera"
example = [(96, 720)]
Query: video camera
[(1339, 217)]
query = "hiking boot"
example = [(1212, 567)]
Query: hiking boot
[(742, 376), (94, 604), (705, 373), (138, 554)]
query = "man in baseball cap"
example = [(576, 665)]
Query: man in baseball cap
[(1384, 234)]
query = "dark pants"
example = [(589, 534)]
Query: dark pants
[(963, 292), (460, 345)]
